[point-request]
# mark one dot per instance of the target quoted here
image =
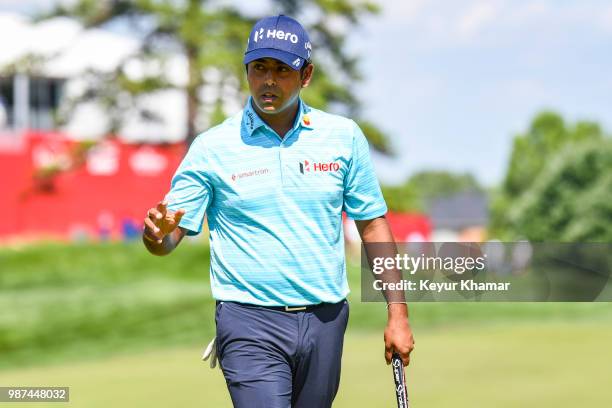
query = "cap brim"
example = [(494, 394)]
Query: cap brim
[(294, 61)]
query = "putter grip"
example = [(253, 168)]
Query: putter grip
[(399, 377)]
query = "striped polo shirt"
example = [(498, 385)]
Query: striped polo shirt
[(274, 205)]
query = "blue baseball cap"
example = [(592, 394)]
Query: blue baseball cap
[(279, 37)]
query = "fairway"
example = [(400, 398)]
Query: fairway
[(503, 365), (124, 329)]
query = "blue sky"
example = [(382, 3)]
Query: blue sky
[(453, 82)]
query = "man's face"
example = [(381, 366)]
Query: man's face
[(274, 85)]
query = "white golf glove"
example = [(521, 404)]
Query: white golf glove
[(210, 352)]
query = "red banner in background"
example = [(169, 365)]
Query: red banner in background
[(409, 227), (57, 187)]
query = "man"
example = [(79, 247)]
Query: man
[(273, 181)]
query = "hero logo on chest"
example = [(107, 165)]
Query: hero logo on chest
[(308, 167)]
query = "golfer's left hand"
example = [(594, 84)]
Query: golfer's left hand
[(398, 338)]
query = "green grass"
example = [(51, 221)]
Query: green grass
[(70, 302), (124, 328), (500, 365)]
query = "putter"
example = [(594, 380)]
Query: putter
[(399, 376)]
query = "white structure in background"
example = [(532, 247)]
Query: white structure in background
[(29, 102)]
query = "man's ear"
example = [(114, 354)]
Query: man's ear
[(307, 75)]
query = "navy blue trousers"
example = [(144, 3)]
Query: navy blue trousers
[(278, 359)]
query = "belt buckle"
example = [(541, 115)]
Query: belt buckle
[(294, 309)]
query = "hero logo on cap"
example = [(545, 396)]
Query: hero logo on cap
[(279, 37), (258, 35)]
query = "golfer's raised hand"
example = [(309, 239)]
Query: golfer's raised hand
[(161, 222)]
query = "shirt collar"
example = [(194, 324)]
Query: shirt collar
[(304, 118), (252, 121)]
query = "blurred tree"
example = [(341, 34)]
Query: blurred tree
[(422, 187), (533, 150), (401, 198), (532, 153), (571, 201), (212, 35), (433, 184)]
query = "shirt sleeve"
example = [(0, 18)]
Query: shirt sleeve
[(363, 199), (191, 188)]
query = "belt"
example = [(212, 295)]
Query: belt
[(289, 309)]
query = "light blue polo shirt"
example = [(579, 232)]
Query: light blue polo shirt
[(274, 206)]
